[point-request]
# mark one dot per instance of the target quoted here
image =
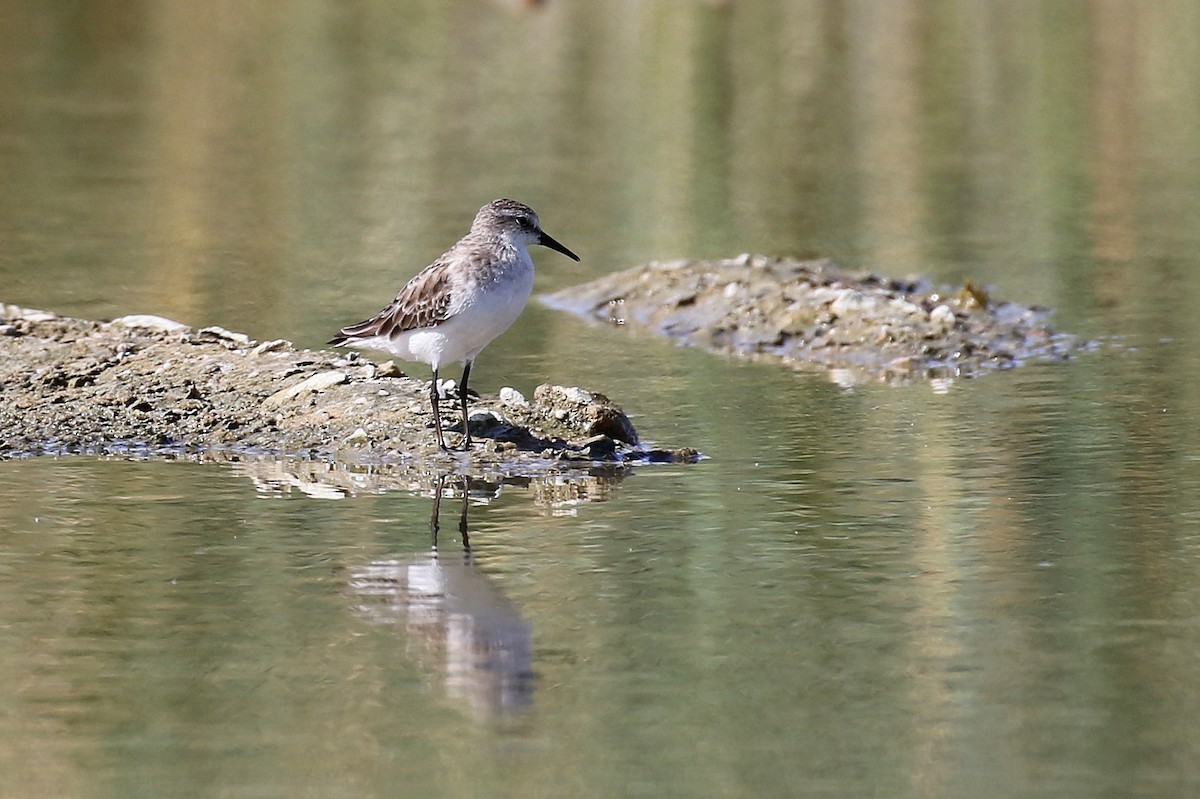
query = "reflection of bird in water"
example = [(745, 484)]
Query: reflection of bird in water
[(457, 622), (435, 524)]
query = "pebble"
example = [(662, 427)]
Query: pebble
[(575, 394), (850, 301), (271, 346), (148, 321), (388, 369), (510, 396), (318, 382), (29, 315), (942, 316), (216, 331)]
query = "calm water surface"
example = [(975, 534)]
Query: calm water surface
[(977, 588)]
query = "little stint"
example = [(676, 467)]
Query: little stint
[(457, 305)]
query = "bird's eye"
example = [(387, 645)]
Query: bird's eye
[(523, 221)]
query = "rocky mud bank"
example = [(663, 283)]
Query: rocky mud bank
[(814, 315), (145, 385)]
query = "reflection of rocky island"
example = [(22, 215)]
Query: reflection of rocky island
[(147, 385), (455, 620), (334, 480), (813, 315)]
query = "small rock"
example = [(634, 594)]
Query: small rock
[(571, 394), (148, 321), (901, 308), (359, 436), (271, 346), (510, 396), (318, 382), (388, 369), (30, 315), (590, 412), (216, 331), (942, 317), (850, 301)]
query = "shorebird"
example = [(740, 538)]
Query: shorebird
[(457, 305)]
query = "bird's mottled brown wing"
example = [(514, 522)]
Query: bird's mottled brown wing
[(423, 302)]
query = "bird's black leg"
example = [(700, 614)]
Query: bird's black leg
[(462, 397), (437, 417)]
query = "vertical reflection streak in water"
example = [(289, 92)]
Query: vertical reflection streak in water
[(457, 623), (435, 520)]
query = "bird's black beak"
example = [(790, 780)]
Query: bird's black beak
[(547, 240)]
